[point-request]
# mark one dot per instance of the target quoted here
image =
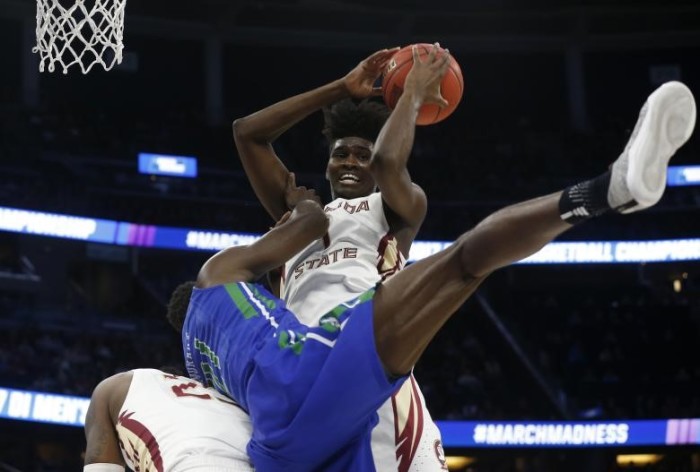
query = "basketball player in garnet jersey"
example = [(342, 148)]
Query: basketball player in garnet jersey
[(152, 421), (312, 392), (370, 233)]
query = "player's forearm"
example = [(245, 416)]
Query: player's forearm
[(268, 124), (307, 224), (255, 133), (395, 141)]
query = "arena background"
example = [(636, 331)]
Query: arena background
[(552, 90)]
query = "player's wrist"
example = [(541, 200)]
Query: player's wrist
[(339, 89), (103, 467), (413, 97)]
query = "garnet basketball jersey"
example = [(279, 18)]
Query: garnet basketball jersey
[(358, 252), (168, 422)]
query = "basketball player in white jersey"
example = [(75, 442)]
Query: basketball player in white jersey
[(152, 421), (370, 232)]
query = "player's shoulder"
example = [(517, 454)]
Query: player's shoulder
[(115, 380), (111, 392)]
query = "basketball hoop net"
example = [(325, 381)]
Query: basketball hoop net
[(79, 35)]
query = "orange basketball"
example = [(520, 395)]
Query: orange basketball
[(451, 87)]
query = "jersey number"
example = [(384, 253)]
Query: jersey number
[(179, 390)]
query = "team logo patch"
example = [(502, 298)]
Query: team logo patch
[(440, 454), (138, 445), (330, 323)]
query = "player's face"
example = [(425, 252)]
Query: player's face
[(348, 168)]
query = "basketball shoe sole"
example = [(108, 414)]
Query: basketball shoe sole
[(666, 121)]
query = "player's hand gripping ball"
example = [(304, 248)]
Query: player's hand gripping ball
[(451, 87)]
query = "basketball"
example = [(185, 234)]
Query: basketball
[(451, 88)]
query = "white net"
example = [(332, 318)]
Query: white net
[(80, 34)]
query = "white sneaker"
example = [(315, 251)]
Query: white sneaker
[(665, 123)]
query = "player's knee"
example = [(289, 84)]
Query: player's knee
[(395, 367)]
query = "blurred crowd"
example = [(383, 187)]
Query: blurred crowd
[(71, 360), (86, 163)]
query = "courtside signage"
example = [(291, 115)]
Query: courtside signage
[(471, 434), (192, 239), (161, 164), (55, 225), (683, 175), (41, 407)]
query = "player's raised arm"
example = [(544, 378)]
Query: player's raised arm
[(306, 223), (254, 134), (395, 141)]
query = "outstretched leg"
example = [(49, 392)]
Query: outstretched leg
[(411, 307)]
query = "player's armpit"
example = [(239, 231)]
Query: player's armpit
[(274, 280)]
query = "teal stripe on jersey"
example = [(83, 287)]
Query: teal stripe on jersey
[(292, 340), (331, 320), (241, 301), (270, 303)]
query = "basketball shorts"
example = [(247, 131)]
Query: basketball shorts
[(314, 392)]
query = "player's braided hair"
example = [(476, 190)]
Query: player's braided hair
[(177, 306), (348, 117)]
